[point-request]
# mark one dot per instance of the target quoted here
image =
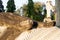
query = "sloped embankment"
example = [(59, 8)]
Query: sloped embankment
[(52, 33), (15, 25)]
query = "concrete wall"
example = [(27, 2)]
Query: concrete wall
[(57, 2)]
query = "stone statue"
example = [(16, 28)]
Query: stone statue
[(49, 8)]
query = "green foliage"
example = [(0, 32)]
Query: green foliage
[(45, 13), (25, 9), (34, 13), (53, 16), (33, 10), (38, 16), (10, 6), (1, 7), (30, 9)]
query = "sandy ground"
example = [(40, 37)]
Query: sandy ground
[(2, 30), (52, 33), (15, 29), (10, 34), (13, 25)]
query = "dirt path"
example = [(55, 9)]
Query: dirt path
[(10, 34)]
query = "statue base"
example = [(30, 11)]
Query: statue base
[(48, 19)]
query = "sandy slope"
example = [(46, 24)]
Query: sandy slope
[(2, 30), (52, 33), (10, 25)]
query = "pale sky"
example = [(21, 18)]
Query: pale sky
[(19, 3)]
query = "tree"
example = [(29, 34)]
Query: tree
[(45, 11), (1, 7), (10, 6), (25, 9), (30, 9), (53, 16), (36, 13)]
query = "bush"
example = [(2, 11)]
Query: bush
[(53, 16)]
